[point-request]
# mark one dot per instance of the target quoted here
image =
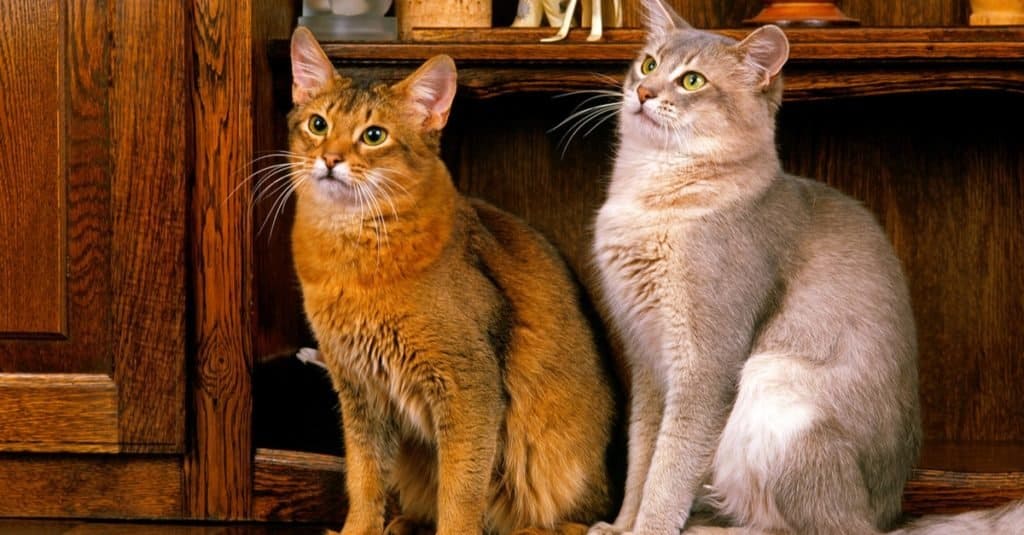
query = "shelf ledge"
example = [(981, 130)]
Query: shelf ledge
[(824, 63)]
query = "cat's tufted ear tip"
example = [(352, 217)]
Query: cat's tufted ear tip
[(767, 49), (312, 70), (302, 33), (443, 61), (431, 90)]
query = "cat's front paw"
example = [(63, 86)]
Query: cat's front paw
[(604, 528)]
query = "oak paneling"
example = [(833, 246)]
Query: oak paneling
[(115, 380), (307, 487), (278, 329), (224, 37), (932, 492), (706, 13), (150, 70), (77, 75), (907, 12), (90, 486), (32, 196), (58, 412)]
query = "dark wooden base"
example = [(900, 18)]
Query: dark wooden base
[(293, 486), (802, 14)]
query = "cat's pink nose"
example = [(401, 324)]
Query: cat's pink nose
[(644, 94), (331, 160)]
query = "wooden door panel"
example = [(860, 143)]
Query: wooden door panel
[(32, 192), (92, 343), (54, 155)]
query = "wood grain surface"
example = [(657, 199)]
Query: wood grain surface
[(942, 492), (56, 229), (150, 170), (299, 487), (32, 196), (907, 12), (277, 290), (493, 45), (823, 63), (90, 486), (94, 527), (58, 413), (307, 487), (218, 468)]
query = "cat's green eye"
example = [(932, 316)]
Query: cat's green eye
[(692, 81), (317, 125), (374, 135), (648, 66)]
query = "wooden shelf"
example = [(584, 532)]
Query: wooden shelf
[(952, 477), (825, 63)]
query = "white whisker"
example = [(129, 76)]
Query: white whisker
[(596, 114)]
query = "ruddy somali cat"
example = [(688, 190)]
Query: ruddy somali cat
[(766, 320), (468, 377)]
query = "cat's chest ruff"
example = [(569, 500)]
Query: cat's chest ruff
[(368, 348), (634, 271)]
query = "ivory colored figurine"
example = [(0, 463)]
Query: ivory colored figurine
[(530, 11)]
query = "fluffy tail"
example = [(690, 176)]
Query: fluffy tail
[(1006, 520)]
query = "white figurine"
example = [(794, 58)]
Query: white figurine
[(530, 11)]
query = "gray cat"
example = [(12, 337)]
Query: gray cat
[(765, 317)]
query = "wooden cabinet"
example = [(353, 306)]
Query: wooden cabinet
[(143, 315), (92, 271)]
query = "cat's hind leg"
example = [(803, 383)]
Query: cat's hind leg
[(782, 464)]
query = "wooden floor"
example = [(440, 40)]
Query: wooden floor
[(72, 527)]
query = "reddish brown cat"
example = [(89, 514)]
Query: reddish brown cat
[(468, 377)]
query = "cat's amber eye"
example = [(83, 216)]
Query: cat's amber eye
[(692, 81), (374, 135), (317, 125), (648, 66)]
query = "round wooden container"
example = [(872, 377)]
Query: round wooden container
[(441, 14), (997, 12)]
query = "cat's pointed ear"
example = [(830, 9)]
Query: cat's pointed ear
[(766, 49), (661, 19), (430, 91), (312, 71)]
